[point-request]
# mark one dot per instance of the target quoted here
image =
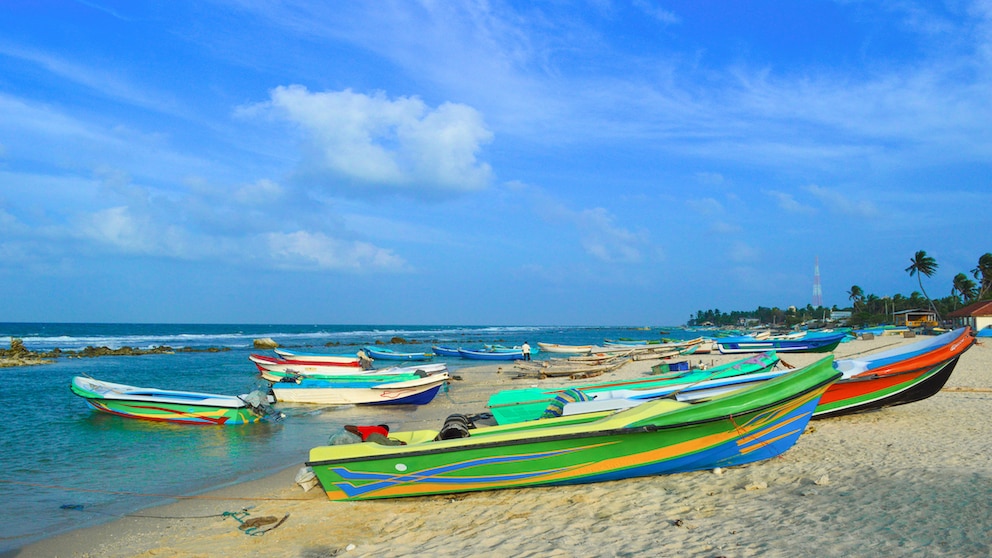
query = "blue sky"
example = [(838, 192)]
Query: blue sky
[(485, 162)]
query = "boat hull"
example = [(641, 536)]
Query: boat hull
[(897, 377), (738, 429), (400, 393), (518, 405), (824, 344), (483, 355), (178, 407)]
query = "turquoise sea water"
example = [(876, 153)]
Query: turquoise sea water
[(57, 452)]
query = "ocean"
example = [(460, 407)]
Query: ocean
[(65, 466)]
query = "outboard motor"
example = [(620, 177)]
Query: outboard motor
[(455, 426)]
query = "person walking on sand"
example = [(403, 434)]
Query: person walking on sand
[(525, 348)]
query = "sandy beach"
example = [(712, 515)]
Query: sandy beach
[(912, 480)]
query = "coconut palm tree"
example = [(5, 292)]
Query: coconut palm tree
[(921, 264), (964, 287), (984, 274), (855, 295)]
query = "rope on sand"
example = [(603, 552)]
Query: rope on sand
[(968, 389)]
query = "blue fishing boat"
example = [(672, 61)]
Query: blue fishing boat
[(491, 355), (389, 354)]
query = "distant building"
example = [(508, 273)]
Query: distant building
[(840, 315), (978, 315), (915, 318)]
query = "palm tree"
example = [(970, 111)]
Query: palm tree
[(964, 287), (855, 295), (984, 274), (921, 264)]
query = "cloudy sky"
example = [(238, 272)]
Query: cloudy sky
[(598, 162)]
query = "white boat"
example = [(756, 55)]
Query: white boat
[(275, 370), (412, 392), (557, 348)]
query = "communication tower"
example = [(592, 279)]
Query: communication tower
[(817, 291)]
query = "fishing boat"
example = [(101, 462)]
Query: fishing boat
[(276, 363), (491, 355), (389, 354), (809, 343), (558, 348), (659, 437), (418, 391), (898, 376), (523, 404), (161, 405), (270, 367), (445, 351), (277, 370), (305, 357)]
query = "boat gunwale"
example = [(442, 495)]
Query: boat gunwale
[(645, 429)]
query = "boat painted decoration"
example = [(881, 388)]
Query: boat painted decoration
[(419, 391), (902, 375), (517, 405), (809, 343), (658, 437), (179, 407)]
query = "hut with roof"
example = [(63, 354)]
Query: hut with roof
[(978, 315)]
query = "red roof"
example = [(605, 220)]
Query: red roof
[(980, 308)]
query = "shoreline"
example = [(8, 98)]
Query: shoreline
[(902, 480)]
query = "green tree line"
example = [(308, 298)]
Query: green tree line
[(870, 309)]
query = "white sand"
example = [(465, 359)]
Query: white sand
[(912, 480)]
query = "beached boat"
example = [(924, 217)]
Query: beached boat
[(162, 405), (418, 391), (491, 355), (325, 358), (658, 437), (898, 376), (569, 349), (517, 405), (278, 370), (280, 366), (383, 353), (809, 343), (445, 351)]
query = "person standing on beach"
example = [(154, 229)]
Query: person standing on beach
[(525, 348)]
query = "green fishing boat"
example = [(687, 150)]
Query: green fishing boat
[(516, 405), (658, 437)]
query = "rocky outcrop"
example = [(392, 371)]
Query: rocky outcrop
[(265, 343), (19, 355)]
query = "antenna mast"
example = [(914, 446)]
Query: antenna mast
[(817, 291)]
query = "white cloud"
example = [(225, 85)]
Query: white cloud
[(705, 206), (605, 240), (840, 203), (657, 12), (370, 140), (304, 250), (787, 202), (259, 192), (742, 252)]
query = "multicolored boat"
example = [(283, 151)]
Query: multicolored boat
[(417, 391), (809, 343), (181, 407), (276, 370), (902, 375), (325, 358), (659, 437), (517, 405)]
